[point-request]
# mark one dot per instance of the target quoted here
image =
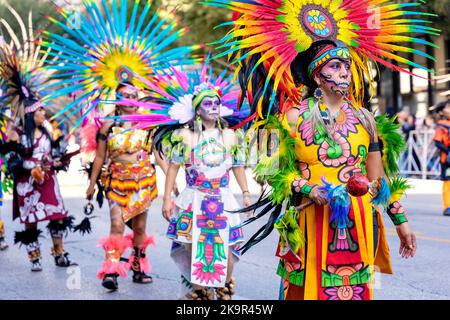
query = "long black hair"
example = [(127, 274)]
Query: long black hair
[(29, 126)]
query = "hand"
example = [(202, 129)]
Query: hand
[(45, 166), (407, 238), (167, 209), (90, 192), (247, 202), (318, 196)]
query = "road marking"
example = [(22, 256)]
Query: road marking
[(419, 235)]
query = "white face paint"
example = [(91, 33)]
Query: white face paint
[(209, 109), (335, 77)]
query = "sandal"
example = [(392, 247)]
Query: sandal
[(110, 281), (141, 277), (63, 260), (227, 292), (200, 294)]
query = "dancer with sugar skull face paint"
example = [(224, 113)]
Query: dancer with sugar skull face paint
[(206, 234), (333, 168)]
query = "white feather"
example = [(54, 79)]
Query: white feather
[(224, 111), (182, 109)]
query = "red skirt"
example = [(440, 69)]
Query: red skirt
[(37, 202)]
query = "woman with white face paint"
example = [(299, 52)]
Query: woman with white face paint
[(191, 109), (206, 236)]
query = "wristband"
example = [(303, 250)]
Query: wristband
[(302, 187), (396, 212)]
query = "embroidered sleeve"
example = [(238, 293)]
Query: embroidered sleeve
[(175, 149)]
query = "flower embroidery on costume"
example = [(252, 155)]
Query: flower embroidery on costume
[(345, 293), (346, 120)]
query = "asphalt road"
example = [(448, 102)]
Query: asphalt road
[(427, 276)]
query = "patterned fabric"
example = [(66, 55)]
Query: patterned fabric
[(335, 263), (132, 187), (128, 141), (39, 201), (202, 218)]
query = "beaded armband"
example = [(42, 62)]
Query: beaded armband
[(396, 212), (302, 187)]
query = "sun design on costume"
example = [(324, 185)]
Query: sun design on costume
[(319, 23), (346, 121), (306, 21), (334, 152)]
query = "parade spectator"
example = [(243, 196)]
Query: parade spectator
[(442, 141)]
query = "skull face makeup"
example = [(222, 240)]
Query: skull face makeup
[(209, 109), (335, 77)]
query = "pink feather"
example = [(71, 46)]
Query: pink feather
[(88, 135)]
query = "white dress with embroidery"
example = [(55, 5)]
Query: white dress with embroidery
[(203, 214)]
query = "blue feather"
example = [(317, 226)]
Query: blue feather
[(383, 195), (339, 202)]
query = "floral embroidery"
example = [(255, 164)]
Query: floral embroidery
[(346, 121)]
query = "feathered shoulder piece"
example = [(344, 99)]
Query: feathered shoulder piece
[(175, 148), (276, 162), (392, 144)]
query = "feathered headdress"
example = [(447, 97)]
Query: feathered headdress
[(21, 80), (105, 47), (173, 97), (268, 35)]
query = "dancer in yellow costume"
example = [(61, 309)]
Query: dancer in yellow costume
[(302, 66)]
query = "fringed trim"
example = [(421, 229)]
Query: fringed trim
[(114, 246), (59, 229), (27, 237)]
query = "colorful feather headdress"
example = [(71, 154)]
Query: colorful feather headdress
[(21, 79), (105, 48), (267, 36), (173, 97)]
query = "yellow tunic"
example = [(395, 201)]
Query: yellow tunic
[(334, 266)]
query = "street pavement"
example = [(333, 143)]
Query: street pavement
[(426, 276)]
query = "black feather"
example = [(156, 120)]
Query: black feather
[(27, 236), (84, 226)]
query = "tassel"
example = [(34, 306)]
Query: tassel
[(339, 202), (383, 196)]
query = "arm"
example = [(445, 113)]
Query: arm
[(375, 170), (171, 176), (161, 162), (239, 173), (303, 187), (100, 157)]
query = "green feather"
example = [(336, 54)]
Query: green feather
[(279, 168), (392, 143), (288, 224), (398, 186)]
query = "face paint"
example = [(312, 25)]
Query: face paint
[(209, 109), (335, 77)]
